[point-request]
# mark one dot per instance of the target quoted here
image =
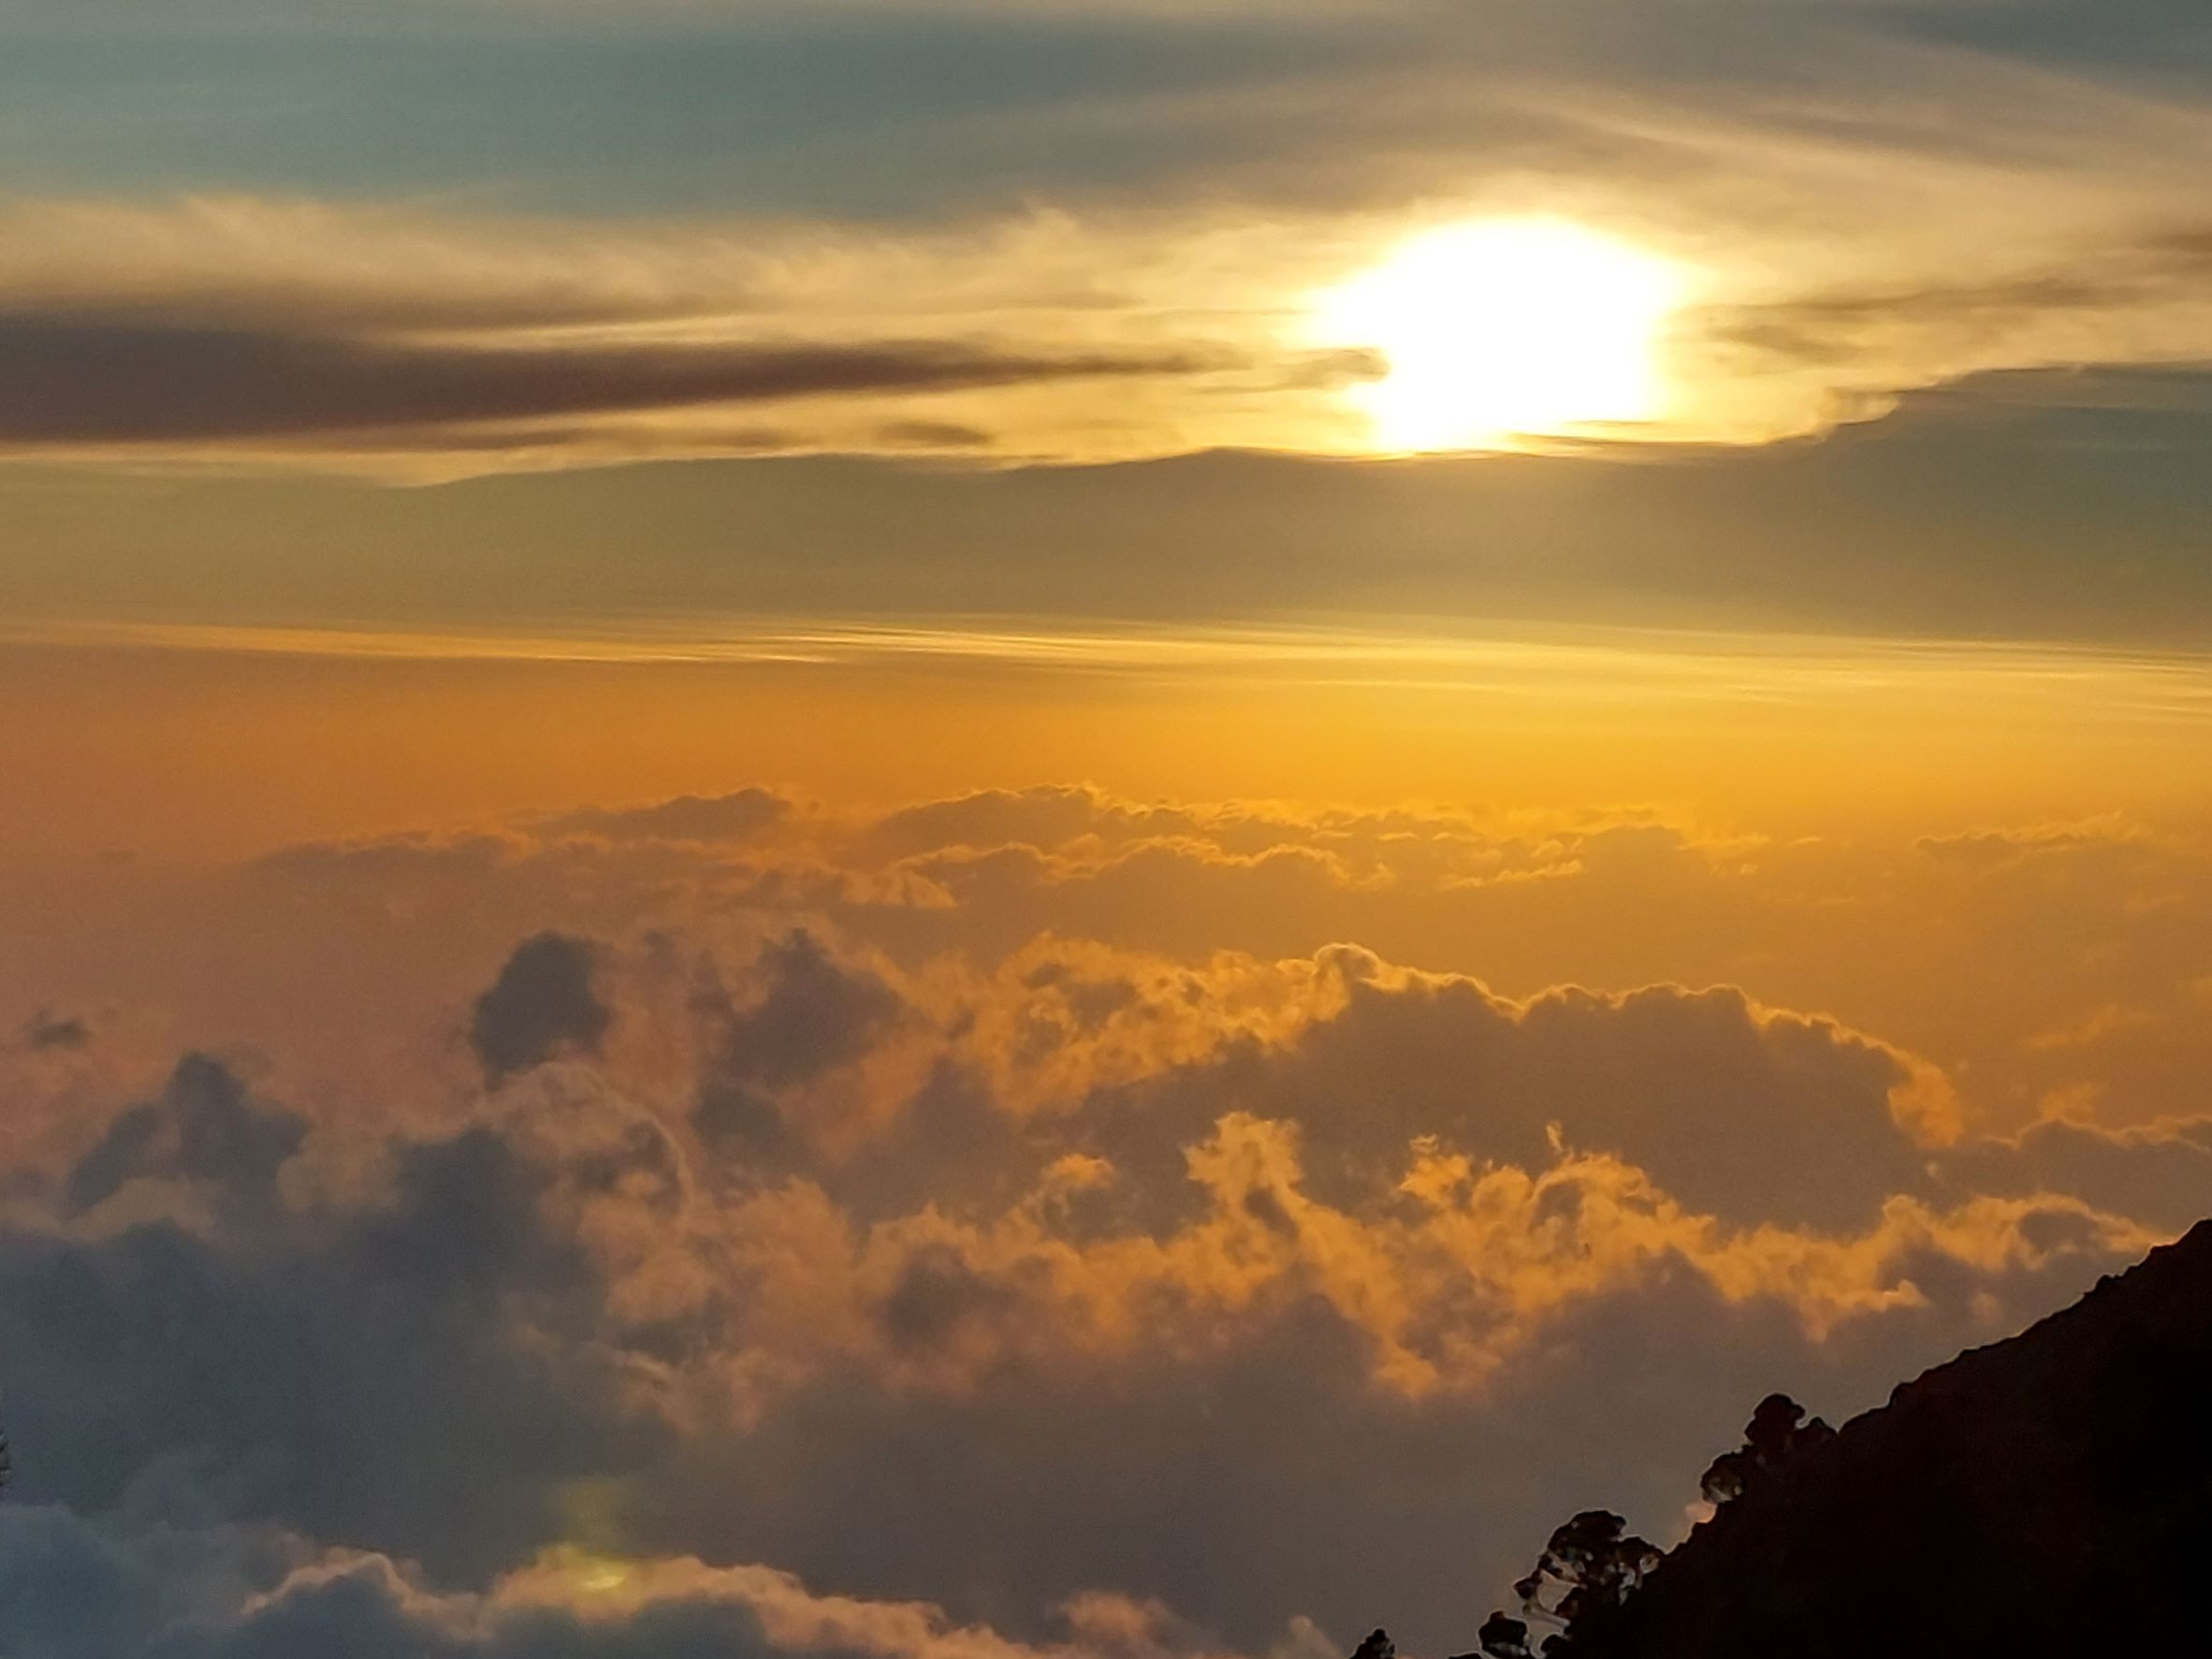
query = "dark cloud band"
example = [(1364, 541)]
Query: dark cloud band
[(76, 382)]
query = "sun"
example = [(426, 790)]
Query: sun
[(1505, 329)]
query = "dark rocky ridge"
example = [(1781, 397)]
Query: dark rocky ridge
[(2044, 1495)]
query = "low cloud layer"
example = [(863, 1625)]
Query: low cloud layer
[(78, 1589), (983, 1227)]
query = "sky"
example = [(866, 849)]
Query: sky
[(1061, 829)]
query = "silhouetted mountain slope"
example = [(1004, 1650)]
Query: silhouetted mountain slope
[(2049, 1494)]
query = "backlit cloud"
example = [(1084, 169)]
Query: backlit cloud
[(799, 1154), (1079, 328)]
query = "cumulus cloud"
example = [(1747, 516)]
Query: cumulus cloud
[(2161, 1172), (541, 1004), (813, 1015), (204, 1131), (543, 1323), (1739, 1111), (900, 1200)]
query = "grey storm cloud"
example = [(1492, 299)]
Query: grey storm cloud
[(72, 381), (542, 1005)]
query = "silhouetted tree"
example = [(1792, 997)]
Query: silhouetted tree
[(1377, 1646), (1594, 1561), (1590, 1567), (2043, 1498), (1776, 1432), (1504, 1636)]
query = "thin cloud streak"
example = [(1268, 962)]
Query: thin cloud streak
[(74, 384), (1596, 665)]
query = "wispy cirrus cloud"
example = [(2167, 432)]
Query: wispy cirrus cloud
[(1104, 321)]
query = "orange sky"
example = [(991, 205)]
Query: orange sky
[(1061, 829), (246, 750)]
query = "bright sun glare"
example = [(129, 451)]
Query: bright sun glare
[(1504, 329)]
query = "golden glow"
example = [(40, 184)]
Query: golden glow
[(307, 737), (602, 1577), (1505, 329)]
